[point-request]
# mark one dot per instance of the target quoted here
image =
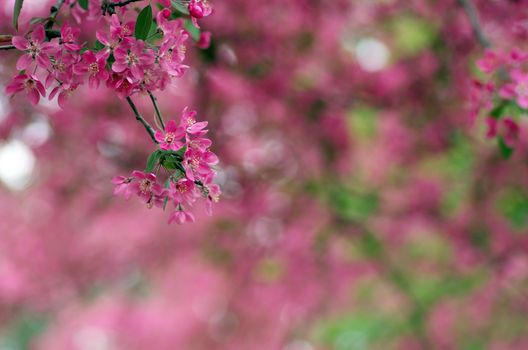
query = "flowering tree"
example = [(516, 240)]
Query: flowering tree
[(365, 201)]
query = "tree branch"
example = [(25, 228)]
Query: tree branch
[(6, 38), (110, 6), (158, 113), (54, 11), (474, 20), (142, 120)]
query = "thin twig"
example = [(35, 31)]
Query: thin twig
[(5, 38), (7, 47), (471, 12), (142, 120), (158, 113), (54, 11), (122, 3), (110, 6)]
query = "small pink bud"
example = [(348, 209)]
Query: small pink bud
[(204, 41), (195, 10), (166, 13)]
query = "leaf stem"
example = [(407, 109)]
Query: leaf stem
[(473, 16), (142, 120), (158, 113)]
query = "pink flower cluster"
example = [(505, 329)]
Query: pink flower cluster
[(129, 61), (124, 63), (504, 94), (184, 153)]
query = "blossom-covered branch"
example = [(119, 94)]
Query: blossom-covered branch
[(136, 54)]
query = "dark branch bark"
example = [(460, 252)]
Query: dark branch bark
[(142, 120), (472, 14)]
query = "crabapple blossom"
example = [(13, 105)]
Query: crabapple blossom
[(69, 37), (28, 83), (35, 48), (199, 8), (95, 66), (181, 216), (506, 128), (171, 138), (132, 55)]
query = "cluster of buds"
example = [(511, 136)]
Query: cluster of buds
[(129, 57), (503, 96)]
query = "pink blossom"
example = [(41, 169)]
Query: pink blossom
[(132, 55), (181, 217), (492, 127), (183, 191), (122, 86), (118, 30), (199, 8), (69, 37), (516, 57), (199, 143), (157, 199), (62, 68), (35, 49), (521, 87), (95, 66), (145, 185), (170, 28), (64, 91), (122, 186), (172, 137), (109, 42), (213, 195), (490, 62), (189, 123), (506, 128), (28, 83), (205, 40), (198, 164), (172, 53), (510, 132)]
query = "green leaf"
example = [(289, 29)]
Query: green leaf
[(16, 12), (192, 30), (98, 45), (371, 245), (506, 151), (170, 162), (143, 23), (499, 109), (153, 34), (180, 7), (22, 331), (83, 4), (153, 160), (36, 20)]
